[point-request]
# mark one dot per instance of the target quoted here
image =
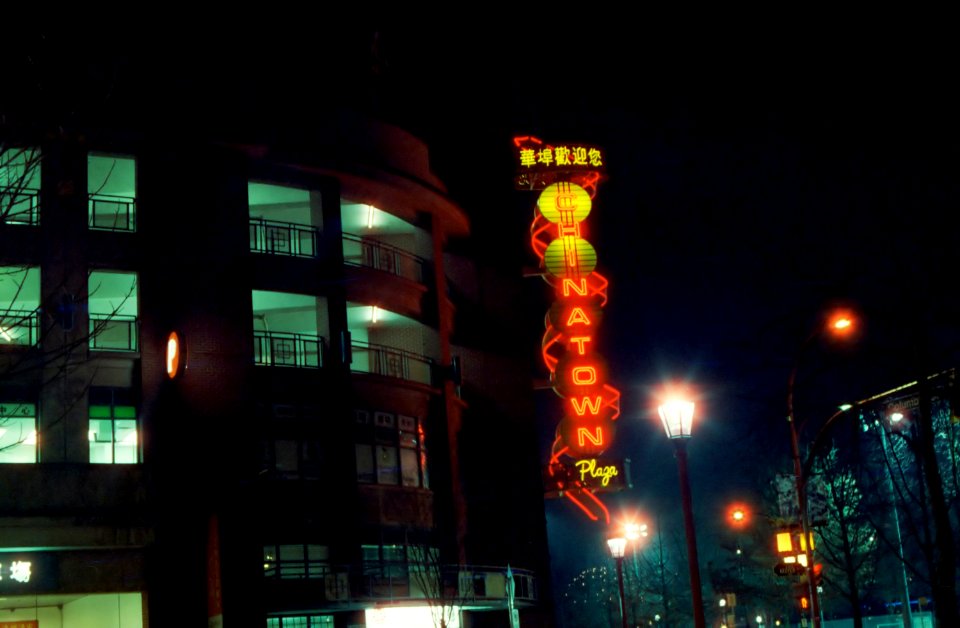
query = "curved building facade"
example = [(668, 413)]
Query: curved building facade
[(295, 457)]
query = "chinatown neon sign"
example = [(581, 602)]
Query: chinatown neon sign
[(578, 374)]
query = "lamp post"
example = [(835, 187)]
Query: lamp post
[(618, 546), (840, 323), (677, 417)]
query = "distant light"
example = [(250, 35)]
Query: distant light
[(846, 406), (896, 417), (617, 546), (739, 551), (759, 619), (173, 355), (374, 313), (370, 212), (723, 602)]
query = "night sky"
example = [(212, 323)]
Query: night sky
[(756, 177)]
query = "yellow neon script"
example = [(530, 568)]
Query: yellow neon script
[(589, 468)]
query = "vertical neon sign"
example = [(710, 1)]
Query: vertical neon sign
[(567, 178)]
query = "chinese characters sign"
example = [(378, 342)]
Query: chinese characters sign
[(577, 373), (16, 570), (537, 162)]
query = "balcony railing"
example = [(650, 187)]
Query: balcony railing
[(391, 362), (283, 238), (19, 206), (370, 253), (277, 348), (19, 327), (112, 213), (113, 332), (400, 581)]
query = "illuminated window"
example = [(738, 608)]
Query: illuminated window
[(113, 432), (19, 305), (296, 562), (374, 238), (18, 432), (390, 450), (20, 186), (289, 329), (112, 192), (284, 220), (113, 306), (385, 563), (301, 621), (389, 344)]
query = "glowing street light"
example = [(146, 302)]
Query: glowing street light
[(840, 323), (677, 418)]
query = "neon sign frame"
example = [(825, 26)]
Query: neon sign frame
[(558, 237)]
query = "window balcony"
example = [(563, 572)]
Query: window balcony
[(391, 362), (279, 348), (19, 327), (113, 332), (371, 253), (19, 206), (109, 212), (283, 238)]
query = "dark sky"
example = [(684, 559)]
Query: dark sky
[(756, 176), (753, 183)]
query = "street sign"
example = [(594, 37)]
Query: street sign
[(788, 569)]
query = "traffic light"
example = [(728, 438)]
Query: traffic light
[(817, 574)]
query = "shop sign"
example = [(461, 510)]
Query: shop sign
[(16, 570), (23, 623)]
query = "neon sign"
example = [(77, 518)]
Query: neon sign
[(567, 177), (17, 570)]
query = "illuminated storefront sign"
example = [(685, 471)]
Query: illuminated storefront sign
[(24, 623), (16, 570), (566, 177)]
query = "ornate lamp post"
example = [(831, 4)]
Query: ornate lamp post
[(677, 417), (618, 546)]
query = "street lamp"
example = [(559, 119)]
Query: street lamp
[(677, 417), (618, 546), (840, 323)]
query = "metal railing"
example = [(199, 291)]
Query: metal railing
[(358, 251), (391, 362), (112, 213), (278, 348), (19, 206), (399, 581), (113, 332), (19, 327), (283, 238)]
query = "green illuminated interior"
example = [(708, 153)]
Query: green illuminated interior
[(366, 221), (290, 313), (18, 432), (112, 190), (124, 610), (19, 304), (281, 203), (113, 435), (20, 168)]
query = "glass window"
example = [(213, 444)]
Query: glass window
[(391, 450), (20, 186), (18, 432), (301, 621), (19, 305), (112, 192), (296, 561), (284, 220), (289, 329), (113, 431), (113, 306)]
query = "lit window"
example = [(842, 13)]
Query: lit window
[(18, 432), (19, 305), (289, 329), (284, 220), (112, 192), (113, 431), (297, 561), (20, 186), (113, 306)]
